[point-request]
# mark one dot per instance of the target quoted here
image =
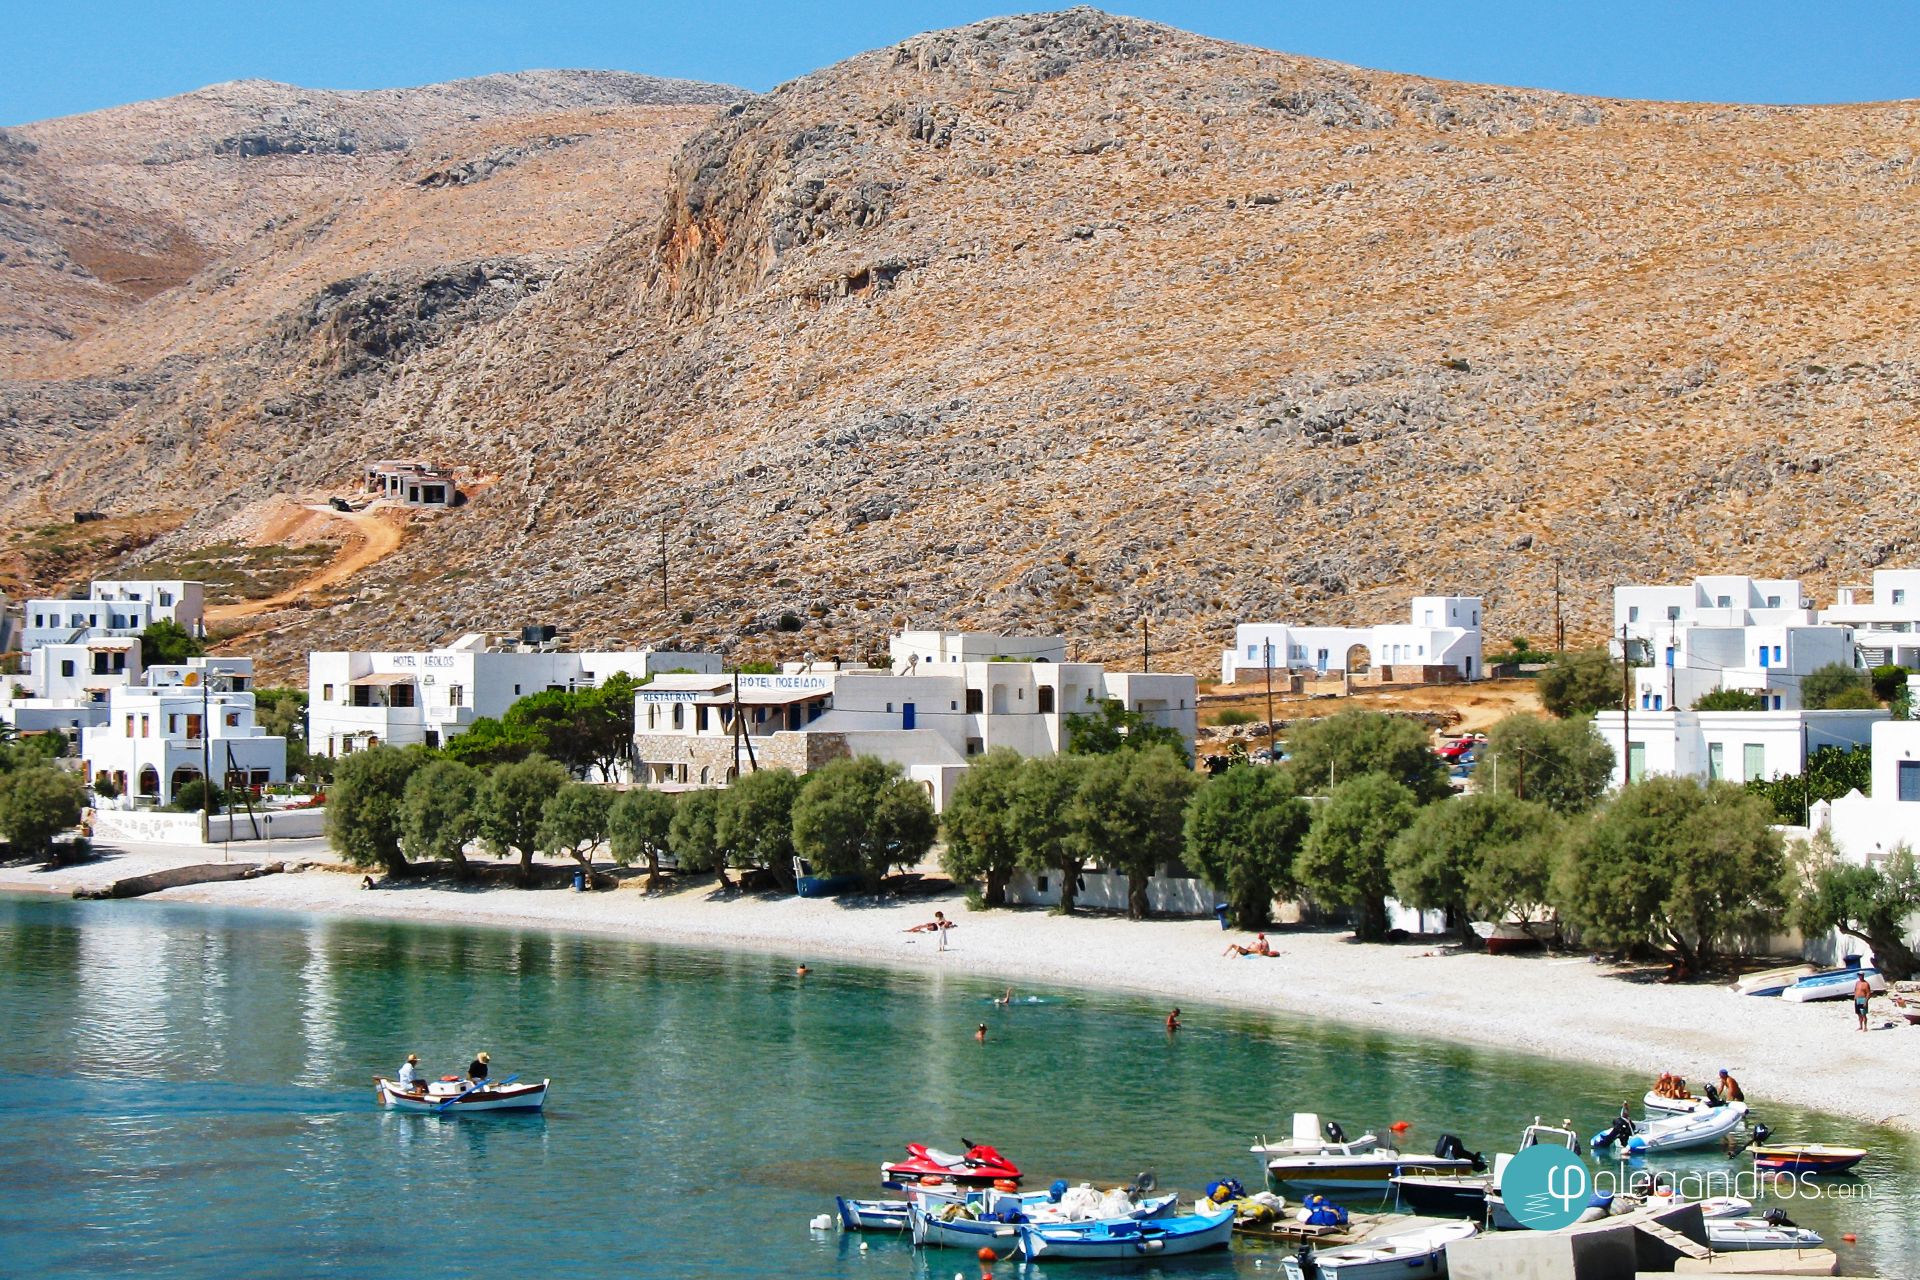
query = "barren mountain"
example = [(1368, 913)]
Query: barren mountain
[(101, 211), (1055, 321)]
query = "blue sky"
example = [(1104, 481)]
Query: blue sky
[(63, 58)]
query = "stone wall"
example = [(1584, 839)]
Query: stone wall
[(799, 752)]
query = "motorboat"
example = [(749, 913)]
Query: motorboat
[(1711, 1209), (1452, 1194), (997, 1220), (979, 1166), (1499, 1217), (1410, 1255), (1771, 982), (1322, 1156), (1672, 1133), (1806, 1157), (1504, 937), (1659, 1104), (1833, 984), (458, 1097), (1773, 1232), (1129, 1237)]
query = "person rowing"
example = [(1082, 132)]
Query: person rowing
[(409, 1077), (477, 1070)]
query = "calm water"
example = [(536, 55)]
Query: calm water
[(186, 1092)]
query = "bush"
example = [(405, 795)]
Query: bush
[(1326, 753), (1888, 681), (789, 622), (1836, 687), (1729, 700), (1580, 683), (1234, 716), (1563, 764)]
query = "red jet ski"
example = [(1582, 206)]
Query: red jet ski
[(980, 1166)]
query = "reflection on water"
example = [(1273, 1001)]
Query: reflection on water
[(189, 1093)]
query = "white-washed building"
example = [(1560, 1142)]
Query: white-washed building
[(357, 700), (1441, 639), (1757, 635), (113, 608), (9, 630), (158, 735), (1884, 618), (66, 686), (1731, 746), (1866, 828), (945, 698)]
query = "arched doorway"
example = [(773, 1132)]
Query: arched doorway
[(1359, 660), (149, 780), (181, 777)]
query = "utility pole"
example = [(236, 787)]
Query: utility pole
[(1559, 619), (1673, 642), (663, 564), (206, 763), (1145, 656), (1626, 708), (1271, 730)]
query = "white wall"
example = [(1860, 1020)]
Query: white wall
[(1681, 743), (1103, 891)]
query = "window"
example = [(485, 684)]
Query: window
[(173, 723), (516, 691), (1776, 702), (193, 727), (1776, 653), (233, 719), (1716, 761), (1673, 613), (129, 732), (1636, 761), (457, 697), (1909, 780), (1046, 699), (1669, 655), (679, 718), (1773, 602), (166, 597), (1753, 762), (976, 702), (1724, 602), (1899, 595), (326, 693), (66, 666), (144, 726), (652, 713), (1253, 651)]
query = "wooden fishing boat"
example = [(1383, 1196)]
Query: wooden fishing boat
[(997, 1222), (1128, 1238), (449, 1098), (1771, 982), (1833, 984), (1806, 1157), (1411, 1255)]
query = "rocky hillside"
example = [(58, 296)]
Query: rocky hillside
[(99, 212), (1053, 321)]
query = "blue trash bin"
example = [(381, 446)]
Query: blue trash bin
[(579, 882), (1220, 913)]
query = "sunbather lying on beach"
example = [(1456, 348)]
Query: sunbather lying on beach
[(1258, 947)]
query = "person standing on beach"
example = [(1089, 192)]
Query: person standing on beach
[(1173, 1020), (937, 926), (1862, 994)]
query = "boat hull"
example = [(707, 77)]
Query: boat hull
[(1440, 1194), (1811, 1158), (1371, 1171), (1659, 1104), (513, 1097), (1414, 1255), (1773, 981), (871, 1215), (1130, 1239), (1682, 1132), (1734, 1235), (1835, 984)]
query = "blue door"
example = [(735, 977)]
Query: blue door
[(906, 715)]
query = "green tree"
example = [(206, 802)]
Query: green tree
[(1344, 858), (1872, 904), (488, 742), (191, 796), (1888, 680), (366, 806), (1579, 683), (1042, 816), (282, 712), (37, 803), (1481, 857), (1243, 833), (574, 822), (983, 843), (861, 817), (166, 643), (1830, 772), (1564, 764), (1130, 814), (1836, 687), (510, 805), (106, 788), (754, 823), (1729, 700), (1114, 728), (440, 813), (639, 829), (1322, 754), (1685, 865), (694, 834)]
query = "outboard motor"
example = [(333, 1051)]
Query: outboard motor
[(1776, 1217), (1713, 1097), (1309, 1269), (1620, 1131), (1451, 1148), (1335, 1133), (1760, 1135)]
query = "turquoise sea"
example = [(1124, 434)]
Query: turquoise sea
[(186, 1092)]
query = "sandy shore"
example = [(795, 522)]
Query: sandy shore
[(1554, 1006)]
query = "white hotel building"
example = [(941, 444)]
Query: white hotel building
[(112, 608), (1441, 639), (1884, 618), (1759, 635), (945, 698), (359, 700)]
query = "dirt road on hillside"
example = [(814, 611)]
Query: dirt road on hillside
[(373, 539)]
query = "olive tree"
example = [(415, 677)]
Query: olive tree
[(1482, 856), (639, 827), (694, 834), (1243, 831), (439, 814), (754, 823), (861, 817), (574, 822), (1563, 764), (1322, 754), (1577, 684), (1344, 858), (1870, 903), (1130, 812), (982, 841), (37, 803), (511, 804), (366, 806), (1042, 816)]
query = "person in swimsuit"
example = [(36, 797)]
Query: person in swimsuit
[(1258, 947), (1862, 993), (980, 1033), (1173, 1020), (1730, 1088)]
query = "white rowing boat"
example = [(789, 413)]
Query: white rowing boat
[(443, 1097)]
